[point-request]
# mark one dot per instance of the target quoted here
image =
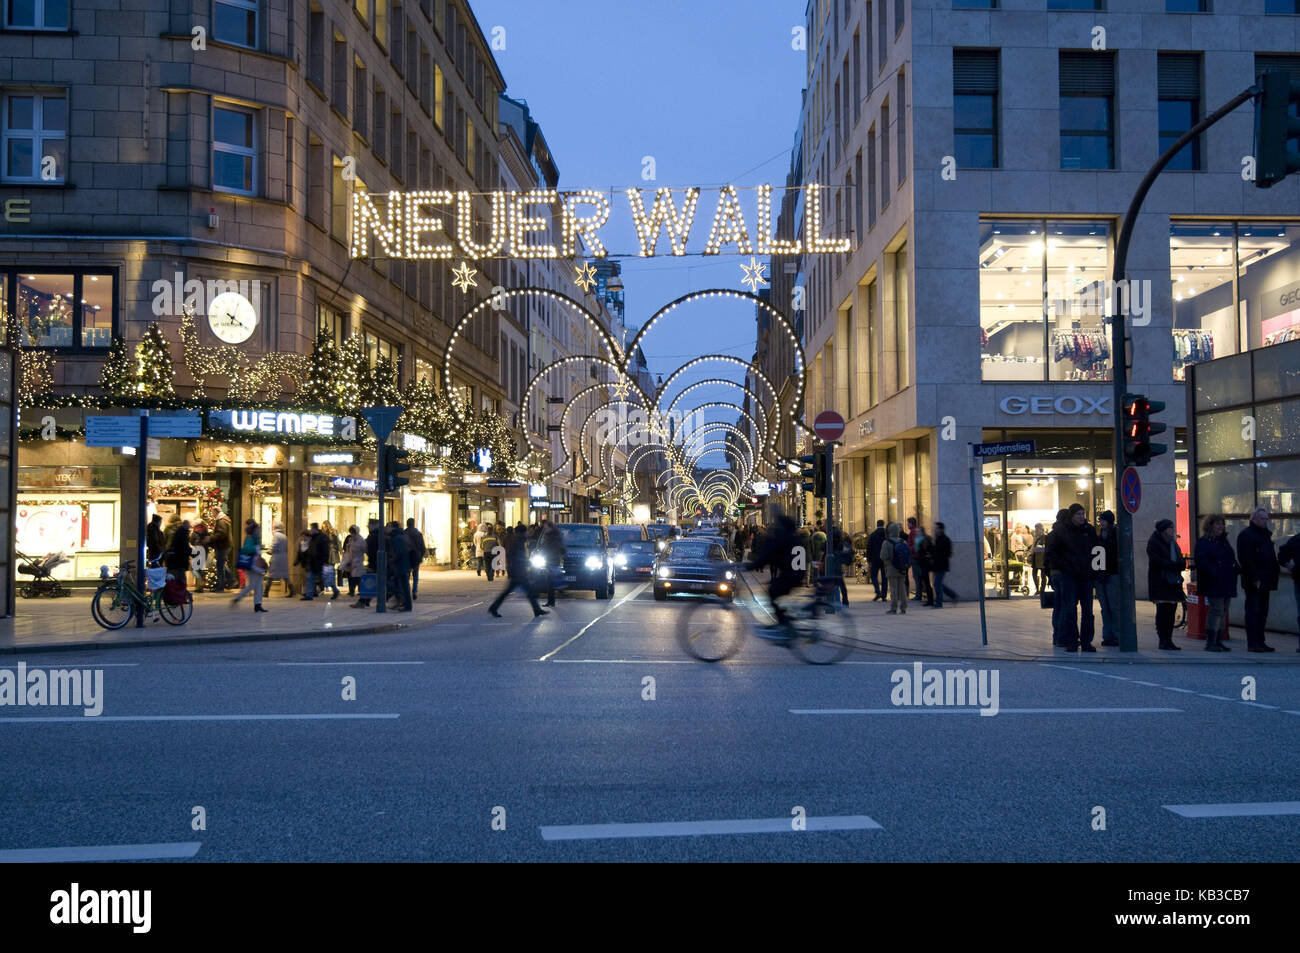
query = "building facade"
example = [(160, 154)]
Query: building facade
[(982, 156)]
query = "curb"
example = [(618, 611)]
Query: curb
[(203, 639)]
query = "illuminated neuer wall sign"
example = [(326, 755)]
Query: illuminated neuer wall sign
[(440, 225)]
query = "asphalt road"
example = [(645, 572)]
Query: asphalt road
[(546, 725)]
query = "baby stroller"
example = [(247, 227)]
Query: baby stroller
[(43, 582)]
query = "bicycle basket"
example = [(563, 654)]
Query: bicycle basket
[(157, 578)]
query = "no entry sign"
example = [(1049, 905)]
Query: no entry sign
[(829, 425), (1130, 490)]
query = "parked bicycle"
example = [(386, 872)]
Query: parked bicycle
[(118, 597), (818, 629)]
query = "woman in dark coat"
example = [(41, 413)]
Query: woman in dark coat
[(178, 556), (1216, 578), (1164, 579)]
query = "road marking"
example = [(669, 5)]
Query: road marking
[(49, 855), (1259, 809), (1148, 684), (907, 710), (85, 719), (351, 663), (581, 632), (1289, 712), (1260, 705), (623, 661), (1122, 678), (1221, 698), (760, 825), (80, 665), (1185, 691)]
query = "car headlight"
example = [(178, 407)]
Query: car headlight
[(620, 560), (664, 572), (662, 546), (592, 562), (538, 560), (730, 574)]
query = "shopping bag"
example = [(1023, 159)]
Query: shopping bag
[(1047, 598), (369, 588), (327, 577)]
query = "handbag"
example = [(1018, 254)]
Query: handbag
[(260, 564), (175, 593), (327, 575), (1047, 598), (244, 561)]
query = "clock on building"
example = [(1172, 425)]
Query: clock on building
[(232, 317)]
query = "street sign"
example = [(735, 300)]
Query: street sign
[(1130, 490), (183, 423), (1003, 449), (382, 420), (829, 425), (155, 449), (112, 431)]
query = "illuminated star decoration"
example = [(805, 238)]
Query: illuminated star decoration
[(753, 274), (622, 387), (464, 279), (585, 277)]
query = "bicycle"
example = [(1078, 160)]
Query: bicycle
[(116, 600), (818, 629)]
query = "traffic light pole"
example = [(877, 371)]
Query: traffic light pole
[(1119, 352), (381, 551)]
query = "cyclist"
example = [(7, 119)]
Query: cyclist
[(777, 550)]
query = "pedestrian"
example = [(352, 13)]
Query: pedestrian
[(838, 553), (879, 579), (816, 563), (940, 563), (777, 552), (1216, 578), (898, 555), (489, 542), (1165, 565), (221, 543), (153, 537), (1051, 543), (254, 566), (1288, 556), (372, 557), (551, 544), (1072, 562), (1038, 557), (922, 547), (354, 559), (279, 567), (478, 550), (517, 573), (803, 539), (1107, 578), (399, 567), (178, 557), (169, 531), (415, 543), (311, 559), (1259, 576), (200, 561)]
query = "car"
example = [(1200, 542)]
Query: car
[(588, 561), (635, 559), (721, 541), (661, 533), (694, 565), (620, 533)]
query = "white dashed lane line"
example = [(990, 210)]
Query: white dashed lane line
[(1171, 688)]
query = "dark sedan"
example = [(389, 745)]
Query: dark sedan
[(697, 566), (588, 561), (635, 559)]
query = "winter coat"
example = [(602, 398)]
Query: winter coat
[(415, 543), (399, 554), (372, 549), (941, 554), (1162, 568), (1290, 553), (177, 558), (279, 556), (252, 547), (516, 555), (318, 551), (874, 542), (1216, 568), (478, 541), (1038, 550), (1069, 549), (354, 559), (1258, 559), (1109, 542), (154, 542)]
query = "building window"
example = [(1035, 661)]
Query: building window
[(316, 177), (901, 138), (381, 22), (856, 197), (316, 47), (1283, 7), (35, 136), (871, 177), (396, 34), (378, 140), (1202, 262), (235, 21), (884, 155), (470, 146), (234, 154), (360, 85), (339, 72), (36, 14), (1076, 4), (883, 31), (67, 310), (340, 203), (900, 15), (1087, 90), (363, 10), (438, 97), (975, 84), (1043, 300), (333, 323), (1187, 6), (1180, 106), (900, 317)]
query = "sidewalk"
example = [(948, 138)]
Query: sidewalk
[(1020, 629), (45, 625)]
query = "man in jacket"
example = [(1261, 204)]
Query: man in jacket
[(399, 567), (153, 538), (372, 560), (878, 579), (922, 557), (1107, 581), (1055, 537), (940, 562), (489, 542), (550, 544), (1259, 576), (516, 571), (415, 543), (318, 554), (220, 541), (1072, 560)]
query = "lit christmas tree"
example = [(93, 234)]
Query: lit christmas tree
[(321, 388), (353, 368), (154, 365), (379, 388), (117, 376)]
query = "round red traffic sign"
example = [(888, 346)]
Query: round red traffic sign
[(1130, 490), (829, 425)]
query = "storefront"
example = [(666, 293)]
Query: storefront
[(341, 500), (74, 510)]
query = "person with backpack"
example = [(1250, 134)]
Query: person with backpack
[(415, 543), (899, 552), (220, 542)]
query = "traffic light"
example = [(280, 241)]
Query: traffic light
[(809, 471), (395, 463), (1138, 430), (1275, 128)]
